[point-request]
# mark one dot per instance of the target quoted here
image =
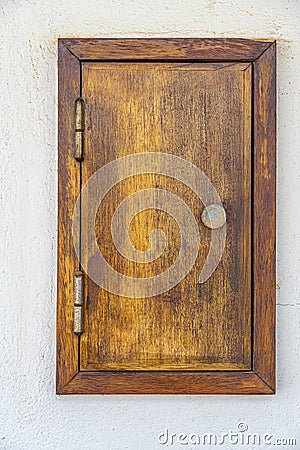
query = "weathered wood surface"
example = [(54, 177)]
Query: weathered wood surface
[(202, 113), (166, 49), (167, 383), (264, 216), (68, 190), (259, 380)]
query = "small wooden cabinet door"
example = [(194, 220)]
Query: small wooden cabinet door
[(171, 304)]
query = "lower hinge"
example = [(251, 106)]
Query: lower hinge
[(78, 302)]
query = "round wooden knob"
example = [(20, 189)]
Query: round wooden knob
[(213, 216)]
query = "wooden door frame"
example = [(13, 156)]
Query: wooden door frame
[(261, 379)]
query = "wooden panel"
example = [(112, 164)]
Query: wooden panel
[(202, 113), (259, 380), (264, 219), (167, 383), (167, 49), (68, 190)]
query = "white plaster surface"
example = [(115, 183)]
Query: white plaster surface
[(32, 416)]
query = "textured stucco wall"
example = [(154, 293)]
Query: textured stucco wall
[(32, 416)]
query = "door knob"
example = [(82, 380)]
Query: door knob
[(213, 216)]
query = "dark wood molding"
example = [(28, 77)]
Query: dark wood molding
[(68, 190), (261, 380), (166, 49), (264, 215), (166, 383)]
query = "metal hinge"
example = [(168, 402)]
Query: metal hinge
[(79, 129), (78, 302)]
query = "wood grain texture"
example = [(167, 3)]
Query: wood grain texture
[(167, 383), (202, 113), (166, 49), (68, 189), (261, 380), (264, 217)]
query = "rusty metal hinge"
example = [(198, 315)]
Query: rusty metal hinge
[(78, 302), (79, 129)]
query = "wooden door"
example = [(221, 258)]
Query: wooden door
[(168, 288), (200, 113)]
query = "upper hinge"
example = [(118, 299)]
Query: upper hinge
[(79, 129)]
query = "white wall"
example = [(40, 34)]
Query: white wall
[(33, 417)]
